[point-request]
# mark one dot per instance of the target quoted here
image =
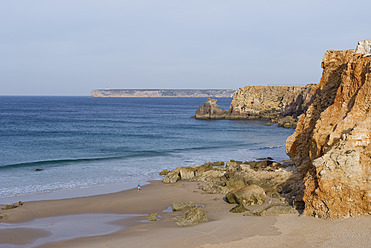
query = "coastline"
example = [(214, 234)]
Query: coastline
[(71, 193), (224, 229)]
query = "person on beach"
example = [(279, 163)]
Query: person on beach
[(138, 187)]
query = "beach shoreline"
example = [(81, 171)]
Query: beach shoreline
[(224, 229)]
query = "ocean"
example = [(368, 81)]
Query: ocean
[(84, 142)]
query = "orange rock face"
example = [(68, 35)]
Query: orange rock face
[(331, 145)]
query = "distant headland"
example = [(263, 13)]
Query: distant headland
[(218, 93)]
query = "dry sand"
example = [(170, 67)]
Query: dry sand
[(223, 229)]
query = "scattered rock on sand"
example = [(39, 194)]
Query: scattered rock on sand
[(192, 217), (6, 207), (273, 209), (249, 195), (179, 206), (152, 217), (239, 209)]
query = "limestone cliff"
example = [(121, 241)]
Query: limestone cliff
[(331, 144), (268, 101), (280, 104)]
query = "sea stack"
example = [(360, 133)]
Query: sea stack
[(210, 110), (331, 144)]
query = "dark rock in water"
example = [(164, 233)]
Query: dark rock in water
[(192, 217), (273, 209), (249, 195), (152, 217), (268, 124), (239, 209), (39, 169), (179, 206), (164, 172), (267, 158)]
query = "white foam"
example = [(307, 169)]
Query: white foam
[(73, 193)]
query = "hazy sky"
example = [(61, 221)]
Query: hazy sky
[(68, 47)]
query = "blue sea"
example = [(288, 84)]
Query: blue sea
[(84, 142)]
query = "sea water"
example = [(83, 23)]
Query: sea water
[(83, 142)]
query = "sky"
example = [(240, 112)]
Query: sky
[(69, 47)]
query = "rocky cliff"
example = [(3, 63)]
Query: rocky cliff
[(280, 104), (268, 101), (331, 144)]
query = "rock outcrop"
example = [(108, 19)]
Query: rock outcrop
[(179, 206), (331, 145), (281, 104), (192, 217), (152, 217), (364, 47), (210, 110), (273, 209), (243, 182), (249, 195), (266, 102)]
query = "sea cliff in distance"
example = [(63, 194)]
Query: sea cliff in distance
[(218, 93)]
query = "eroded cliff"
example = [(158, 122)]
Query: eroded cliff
[(268, 101), (331, 144), (280, 104)]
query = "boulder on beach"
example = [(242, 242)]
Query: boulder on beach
[(240, 208), (179, 206), (186, 173), (152, 217), (273, 209), (249, 195), (172, 176), (192, 217)]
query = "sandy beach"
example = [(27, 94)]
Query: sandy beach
[(127, 212)]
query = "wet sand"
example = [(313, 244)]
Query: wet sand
[(224, 229)]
